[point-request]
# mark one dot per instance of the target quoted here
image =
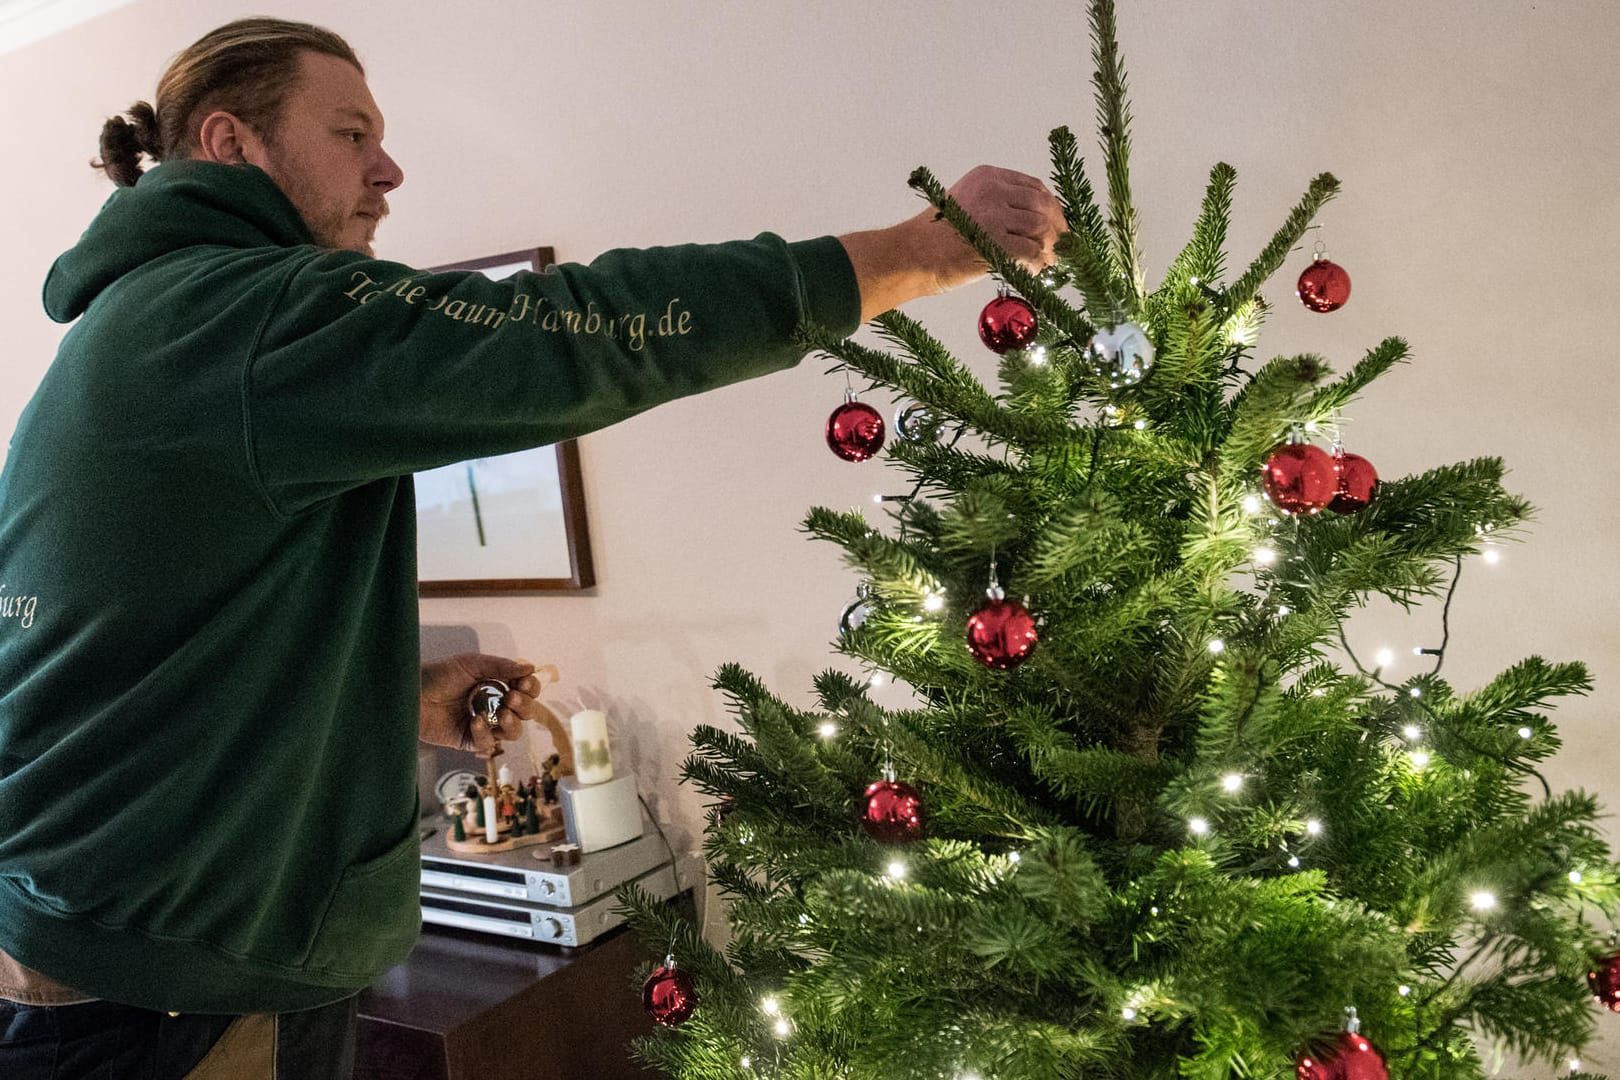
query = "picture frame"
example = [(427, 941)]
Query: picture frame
[(508, 524)]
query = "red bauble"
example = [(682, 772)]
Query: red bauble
[(1604, 979), (1007, 323), (1001, 634), (1324, 286), (892, 812), (1357, 482), (1352, 1058), (1299, 478), (855, 431), (668, 995)]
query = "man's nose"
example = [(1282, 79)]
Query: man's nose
[(386, 174)]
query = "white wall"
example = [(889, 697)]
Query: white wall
[(1476, 142)]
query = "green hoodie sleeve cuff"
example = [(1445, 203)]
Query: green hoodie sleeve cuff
[(832, 297)]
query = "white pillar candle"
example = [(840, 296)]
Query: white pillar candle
[(492, 829), (592, 762)]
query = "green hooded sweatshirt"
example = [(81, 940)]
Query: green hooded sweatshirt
[(208, 589)]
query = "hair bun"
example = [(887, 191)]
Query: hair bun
[(143, 119), (124, 141)]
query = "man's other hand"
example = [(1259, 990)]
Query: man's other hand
[(446, 684)]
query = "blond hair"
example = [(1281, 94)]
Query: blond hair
[(245, 68)]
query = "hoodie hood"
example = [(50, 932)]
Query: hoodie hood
[(176, 205)]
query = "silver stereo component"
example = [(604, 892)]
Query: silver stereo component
[(527, 873), (570, 926)]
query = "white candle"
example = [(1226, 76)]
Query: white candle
[(592, 762), (504, 774), (492, 830)]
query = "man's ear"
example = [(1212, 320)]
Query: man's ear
[(228, 139)]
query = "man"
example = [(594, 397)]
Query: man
[(208, 507)]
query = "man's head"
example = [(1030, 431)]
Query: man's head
[(288, 97)]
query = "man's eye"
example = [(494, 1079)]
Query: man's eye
[(354, 136)]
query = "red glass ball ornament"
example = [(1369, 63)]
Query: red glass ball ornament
[(1007, 323), (669, 996), (1357, 482), (1353, 1057), (893, 812), (1323, 286), (1001, 634), (1299, 478), (1604, 979), (855, 431)]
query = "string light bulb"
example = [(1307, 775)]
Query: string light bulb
[(1313, 827), (1198, 826), (1482, 901), (1251, 504), (1232, 782), (1217, 646), (1420, 758), (829, 729)]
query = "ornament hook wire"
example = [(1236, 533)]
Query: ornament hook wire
[(995, 591)]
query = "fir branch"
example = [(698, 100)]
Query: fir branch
[(1097, 777), (934, 379), (1085, 247), (892, 564), (1263, 412), (1113, 125), (1527, 685), (1088, 540), (1337, 395), (987, 514), (1321, 189), (1203, 260), (1074, 191), (944, 470), (1095, 276)]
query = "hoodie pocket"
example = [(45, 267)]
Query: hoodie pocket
[(374, 915)]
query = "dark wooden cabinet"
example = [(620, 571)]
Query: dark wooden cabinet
[(466, 1006)]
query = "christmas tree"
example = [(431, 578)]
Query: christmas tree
[(1150, 816)]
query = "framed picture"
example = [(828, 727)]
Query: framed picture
[(513, 523)]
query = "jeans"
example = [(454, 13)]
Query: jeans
[(101, 1040)]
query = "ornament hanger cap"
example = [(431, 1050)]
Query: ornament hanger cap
[(1352, 1022)]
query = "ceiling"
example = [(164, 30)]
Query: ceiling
[(24, 22)]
